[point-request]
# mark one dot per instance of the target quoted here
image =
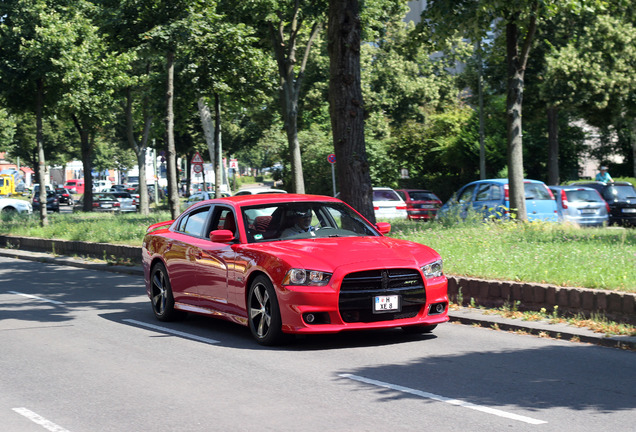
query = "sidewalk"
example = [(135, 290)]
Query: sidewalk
[(466, 316)]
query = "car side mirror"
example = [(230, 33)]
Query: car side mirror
[(221, 236), (383, 227)]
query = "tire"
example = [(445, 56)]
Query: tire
[(264, 313), (419, 329), (161, 298)]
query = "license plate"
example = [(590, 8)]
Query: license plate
[(588, 211), (629, 210), (389, 303), (106, 205)]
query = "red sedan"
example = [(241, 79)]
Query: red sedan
[(421, 204), (287, 264)]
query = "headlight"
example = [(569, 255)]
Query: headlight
[(434, 269), (306, 277)]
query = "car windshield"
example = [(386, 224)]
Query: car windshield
[(103, 197), (422, 196), (583, 196), (295, 220), (620, 192), (386, 195), (537, 191)]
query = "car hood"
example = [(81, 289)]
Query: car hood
[(328, 254)]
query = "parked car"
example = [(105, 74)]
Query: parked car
[(126, 201), (421, 204), (387, 204), (621, 199), (580, 205), (64, 196), (52, 202), (14, 206), (226, 258), (118, 188), (102, 185), (75, 186), (202, 196), (102, 202), (257, 191), (490, 199)]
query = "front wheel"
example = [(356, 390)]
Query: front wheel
[(161, 297), (263, 313)]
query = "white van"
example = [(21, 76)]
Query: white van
[(102, 185)]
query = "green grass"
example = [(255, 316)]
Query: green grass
[(602, 258)]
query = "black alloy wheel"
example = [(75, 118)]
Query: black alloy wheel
[(161, 297), (263, 313)]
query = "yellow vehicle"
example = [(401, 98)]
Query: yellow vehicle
[(7, 184)]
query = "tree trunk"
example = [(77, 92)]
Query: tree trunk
[(171, 153), (44, 221), (553, 146), (140, 151), (633, 138), (87, 164), (346, 106), (208, 127), (290, 107), (480, 91), (218, 147)]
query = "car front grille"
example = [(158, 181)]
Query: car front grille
[(359, 289)]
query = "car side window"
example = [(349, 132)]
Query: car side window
[(467, 195), (223, 219), (194, 221), (483, 193)]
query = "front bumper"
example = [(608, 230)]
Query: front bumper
[(334, 311)]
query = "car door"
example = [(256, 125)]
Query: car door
[(489, 200), (465, 200), (181, 255), (214, 262)]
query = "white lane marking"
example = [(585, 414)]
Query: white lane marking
[(174, 332), (38, 419), (445, 399), (36, 297)]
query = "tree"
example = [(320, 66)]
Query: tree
[(596, 70), (93, 76), (33, 35), (347, 107), (291, 26), (518, 21)]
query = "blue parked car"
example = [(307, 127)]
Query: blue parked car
[(490, 198)]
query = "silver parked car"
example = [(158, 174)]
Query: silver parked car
[(127, 202), (580, 205)]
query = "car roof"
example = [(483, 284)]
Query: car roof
[(257, 199), (571, 187), (617, 183), (415, 190), (261, 190)]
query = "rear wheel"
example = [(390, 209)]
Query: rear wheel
[(263, 313), (161, 297)]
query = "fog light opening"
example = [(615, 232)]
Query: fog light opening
[(437, 308), (316, 318)]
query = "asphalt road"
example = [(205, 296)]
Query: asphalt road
[(81, 351)]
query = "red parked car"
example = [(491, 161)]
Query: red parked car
[(421, 204), (289, 264)]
